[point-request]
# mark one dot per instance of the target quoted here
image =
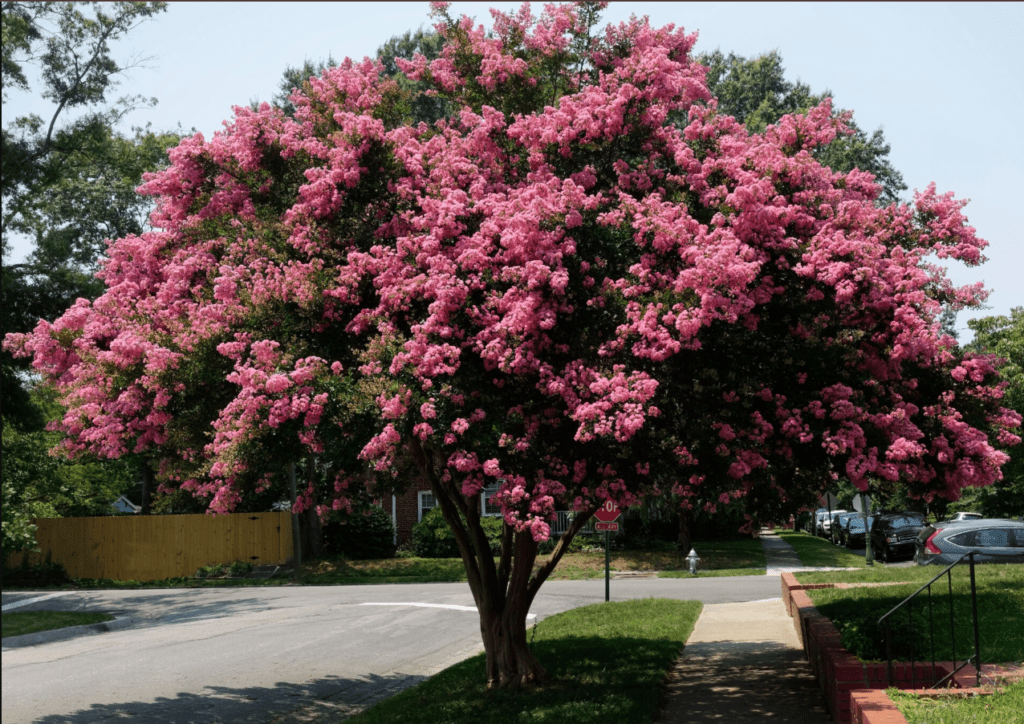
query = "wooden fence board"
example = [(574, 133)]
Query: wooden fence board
[(152, 547)]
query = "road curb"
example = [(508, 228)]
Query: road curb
[(64, 634)]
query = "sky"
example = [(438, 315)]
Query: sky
[(942, 80)]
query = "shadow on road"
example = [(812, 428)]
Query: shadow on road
[(328, 699), (151, 609)]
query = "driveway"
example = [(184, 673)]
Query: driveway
[(277, 654)]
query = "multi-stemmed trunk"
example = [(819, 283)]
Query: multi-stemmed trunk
[(503, 590)]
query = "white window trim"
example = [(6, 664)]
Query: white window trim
[(486, 493), (419, 503)]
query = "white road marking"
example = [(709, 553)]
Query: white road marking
[(450, 606), (37, 599)]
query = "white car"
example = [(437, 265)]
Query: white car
[(966, 516), (826, 522)]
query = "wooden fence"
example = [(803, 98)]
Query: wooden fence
[(151, 547)]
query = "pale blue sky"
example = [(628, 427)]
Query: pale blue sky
[(944, 80)]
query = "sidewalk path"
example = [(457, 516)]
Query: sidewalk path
[(743, 663)]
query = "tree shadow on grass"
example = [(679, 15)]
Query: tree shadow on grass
[(593, 680), (329, 699)]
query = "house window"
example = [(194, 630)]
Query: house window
[(426, 502), (486, 507)]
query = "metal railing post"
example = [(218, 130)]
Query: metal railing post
[(974, 615), (952, 624)]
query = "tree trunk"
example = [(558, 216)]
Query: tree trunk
[(312, 532), (685, 531), (510, 662), (504, 591), (147, 488)]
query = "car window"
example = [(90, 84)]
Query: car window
[(1019, 533), (963, 539), (992, 538), (903, 522)]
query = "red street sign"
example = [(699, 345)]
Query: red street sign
[(607, 512), (611, 527)]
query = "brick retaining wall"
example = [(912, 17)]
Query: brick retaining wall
[(840, 674)]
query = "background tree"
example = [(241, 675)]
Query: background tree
[(419, 106), (422, 108), (756, 92), (555, 291), (295, 77), (67, 180), (1002, 336)]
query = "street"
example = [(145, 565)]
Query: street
[(277, 654)]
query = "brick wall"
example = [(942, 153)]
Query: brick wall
[(407, 513), (839, 672)]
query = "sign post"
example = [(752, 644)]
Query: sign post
[(862, 504), (606, 516)]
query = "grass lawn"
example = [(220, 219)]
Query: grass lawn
[(743, 557), (724, 558), (17, 623), (1003, 707), (818, 552), (1000, 593), (607, 663)]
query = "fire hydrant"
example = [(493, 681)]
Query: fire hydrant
[(693, 560)]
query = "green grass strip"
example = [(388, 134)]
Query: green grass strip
[(720, 573), (1002, 707), (608, 663), (744, 557), (818, 552), (17, 623), (881, 573)]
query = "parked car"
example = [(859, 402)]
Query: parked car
[(814, 521), (826, 522), (995, 540), (894, 535), (853, 531), (965, 516), (819, 521), (836, 529)]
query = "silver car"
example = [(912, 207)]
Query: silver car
[(994, 540)]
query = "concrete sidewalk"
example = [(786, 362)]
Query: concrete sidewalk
[(743, 663)]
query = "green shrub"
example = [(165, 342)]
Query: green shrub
[(656, 532), (238, 569), (581, 541), (366, 535), (432, 537), (40, 574)]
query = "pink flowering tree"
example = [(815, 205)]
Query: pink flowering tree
[(585, 284)]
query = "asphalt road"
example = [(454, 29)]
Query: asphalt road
[(277, 655)]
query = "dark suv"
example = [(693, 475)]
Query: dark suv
[(895, 534), (994, 540), (853, 531), (835, 531)]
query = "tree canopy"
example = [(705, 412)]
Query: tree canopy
[(555, 290), (68, 180), (1003, 337)]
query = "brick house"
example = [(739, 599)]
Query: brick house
[(409, 508)]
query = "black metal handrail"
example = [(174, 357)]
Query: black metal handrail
[(884, 622)]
